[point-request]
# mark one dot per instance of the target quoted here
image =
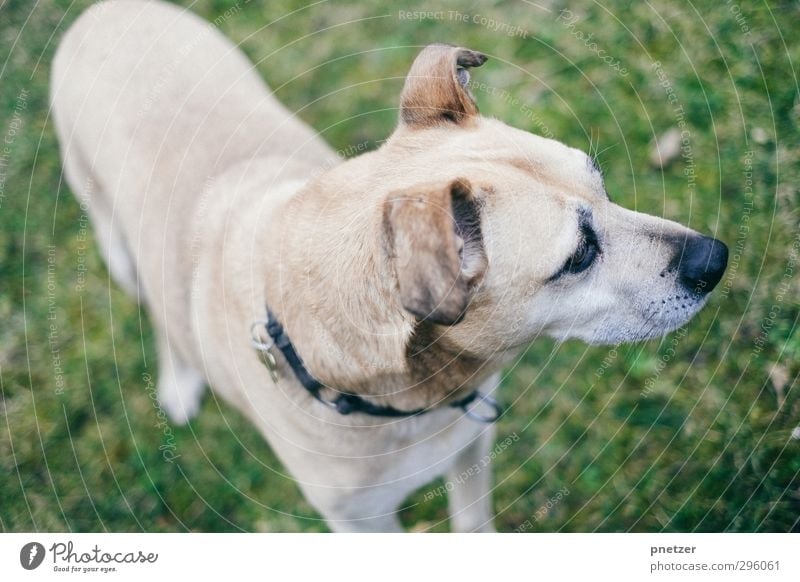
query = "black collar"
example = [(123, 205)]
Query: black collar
[(346, 403)]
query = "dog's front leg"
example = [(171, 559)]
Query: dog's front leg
[(180, 387), (469, 497)]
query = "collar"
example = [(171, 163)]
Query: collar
[(346, 403)]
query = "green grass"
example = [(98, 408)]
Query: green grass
[(709, 449)]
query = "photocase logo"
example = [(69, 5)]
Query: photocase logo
[(31, 555)]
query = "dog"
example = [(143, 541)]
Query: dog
[(357, 311)]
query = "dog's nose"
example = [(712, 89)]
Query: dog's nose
[(702, 263)]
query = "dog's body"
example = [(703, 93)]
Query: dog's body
[(400, 275)]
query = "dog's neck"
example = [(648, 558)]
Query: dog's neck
[(329, 282)]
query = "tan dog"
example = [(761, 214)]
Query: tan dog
[(406, 276)]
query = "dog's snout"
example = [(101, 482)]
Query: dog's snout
[(702, 263)]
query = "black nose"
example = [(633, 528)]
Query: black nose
[(702, 262)]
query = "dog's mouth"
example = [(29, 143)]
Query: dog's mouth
[(666, 315), (657, 318)]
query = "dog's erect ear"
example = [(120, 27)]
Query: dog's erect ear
[(436, 89), (433, 234)]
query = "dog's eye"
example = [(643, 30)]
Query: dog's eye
[(584, 256)]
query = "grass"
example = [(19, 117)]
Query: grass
[(709, 448)]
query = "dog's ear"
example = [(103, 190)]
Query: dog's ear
[(436, 91), (433, 235)]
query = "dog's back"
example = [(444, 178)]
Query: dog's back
[(151, 103)]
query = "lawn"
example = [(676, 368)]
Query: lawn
[(698, 432)]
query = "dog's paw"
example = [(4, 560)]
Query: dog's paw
[(180, 395)]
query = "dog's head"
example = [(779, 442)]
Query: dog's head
[(503, 235)]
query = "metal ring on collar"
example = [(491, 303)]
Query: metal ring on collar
[(481, 398), (255, 337)]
